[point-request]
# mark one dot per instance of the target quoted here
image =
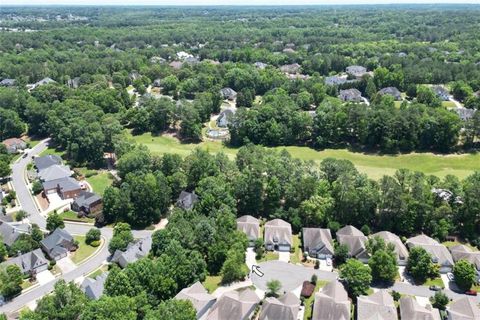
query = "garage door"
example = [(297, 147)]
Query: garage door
[(283, 248)]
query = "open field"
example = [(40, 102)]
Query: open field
[(374, 165)]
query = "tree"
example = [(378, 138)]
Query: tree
[(37, 187), (54, 221), (11, 279), (106, 308), (341, 254), (420, 265), (122, 236), (92, 235), (465, 274), (3, 250), (36, 233), (234, 268), (173, 309), (357, 276), (273, 288), (190, 126), (383, 264), (5, 169), (439, 300)]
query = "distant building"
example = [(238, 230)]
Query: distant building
[(228, 93), (465, 114), (332, 303), (187, 200), (46, 161), (291, 68), (54, 172), (234, 305), (177, 65), (225, 117), (411, 309), (9, 233), (67, 188), (260, 65), (441, 92), (350, 95), (135, 250), (391, 91), (465, 308), (439, 252), (14, 145), (401, 250), (58, 244), (462, 252), (42, 82), (379, 305), (335, 80), (285, 307), (74, 83), (356, 71), (7, 83)]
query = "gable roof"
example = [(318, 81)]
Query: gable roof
[(7, 82), (46, 80), (465, 308), (228, 93), (197, 295), (47, 161), (400, 249), (439, 252), (463, 252), (57, 243), (410, 309), (16, 142), (250, 226), (332, 303), (54, 172), (278, 231), (465, 114), (317, 239), (335, 80), (234, 305), (64, 184), (187, 200), (135, 250), (392, 91), (9, 233), (286, 308), (93, 288), (354, 239), (29, 261), (86, 199), (357, 71), (350, 95), (378, 306)]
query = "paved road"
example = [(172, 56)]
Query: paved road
[(28, 204)]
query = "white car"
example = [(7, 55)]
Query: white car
[(329, 261), (450, 276)]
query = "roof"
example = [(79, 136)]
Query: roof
[(286, 308), (13, 142), (250, 226), (228, 93), (64, 184), (57, 243), (260, 65), (410, 309), (317, 239), (54, 172), (439, 252), (176, 64), (290, 68), (197, 295), (225, 117), (135, 250), (46, 80), (335, 80), (332, 303), (464, 113), (47, 161), (187, 200), (394, 92), (465, 308), (354, 239), (86, 199), (356, 71), (463, 252), (7, 82), (29, 261), (234, 305), (350, 95), (400, 249), (9, 233), (378, 306), (93, 288), (278, 231)]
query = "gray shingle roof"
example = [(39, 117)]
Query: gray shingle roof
[(350, 95), (93, 288), (234, 305), (357, 71), (463, 252), (198, 296), (29, 261), (278, 231), (319, 240), (64, 184), (135, 250), (465, 114), (47, 161), (54, 172), (464, 309), (332, 303), (187, 200), (57, 243), (250, 226), (228, 93), (400, 249), (439, 252), (285, 308), (291, 68), (86, 199), (354, 239), (392, 91), (378, 306), (410, 309), (9, 233)]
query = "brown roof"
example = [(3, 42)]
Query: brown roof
[(307, 289), (12, 141)]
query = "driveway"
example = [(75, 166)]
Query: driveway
[(66, 265), (45, 277), (290, 275), (250, 258), (284, 256)]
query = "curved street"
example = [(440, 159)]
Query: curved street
[(27, 203)]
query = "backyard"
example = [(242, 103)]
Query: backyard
[(211, 283)]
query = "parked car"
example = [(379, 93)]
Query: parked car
[(471, 292), (329, 261), (435, 288), (25, 155), (450, 276)]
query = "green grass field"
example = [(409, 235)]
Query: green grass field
[(84, 250), (211, 283), (100, 182), (72, 216), (375, 166)]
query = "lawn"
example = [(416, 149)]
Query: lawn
[(211, 283), (435, 282), (51, 150), (72, 216), (100, 181), (98, 272), (374, 165), (448, 104), (309, 302), (84, 250), (296, 257), (269, 255)]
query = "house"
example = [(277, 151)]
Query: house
[(332, 303), (318, 242), (201, 300), (260, 65), (134, 75), (250, 226), (7, 82), (157, 83), (291, 68), (42, 82), (288, 51), (93, 288), (46, 161), (14, 145), (30, 263), (182, 55), (411, 309), (400, 249), (278, 235), (379, 305), (67, 188), (55, 172), (439, 252), (465, 308), (350, 95), (355, 241), (441, 92), (228, 93), (135, 250), (58, 244), (356, 71), (335, 80), (177, 65), (187, 200), (73, 83), (9, 233), (465, 114), (286, 308), (391, 91), (461, 251), (156, 59), (88, 202), (234, 305), (225, 117)]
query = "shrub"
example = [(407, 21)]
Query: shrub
[(92, 235), (37, 187), (314, 279), (317, 264), (95, 243)]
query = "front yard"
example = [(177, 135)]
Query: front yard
[(435, 282), (84, 250), (269, 255), (72, 216)]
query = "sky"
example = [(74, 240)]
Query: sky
[(220, 2)]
